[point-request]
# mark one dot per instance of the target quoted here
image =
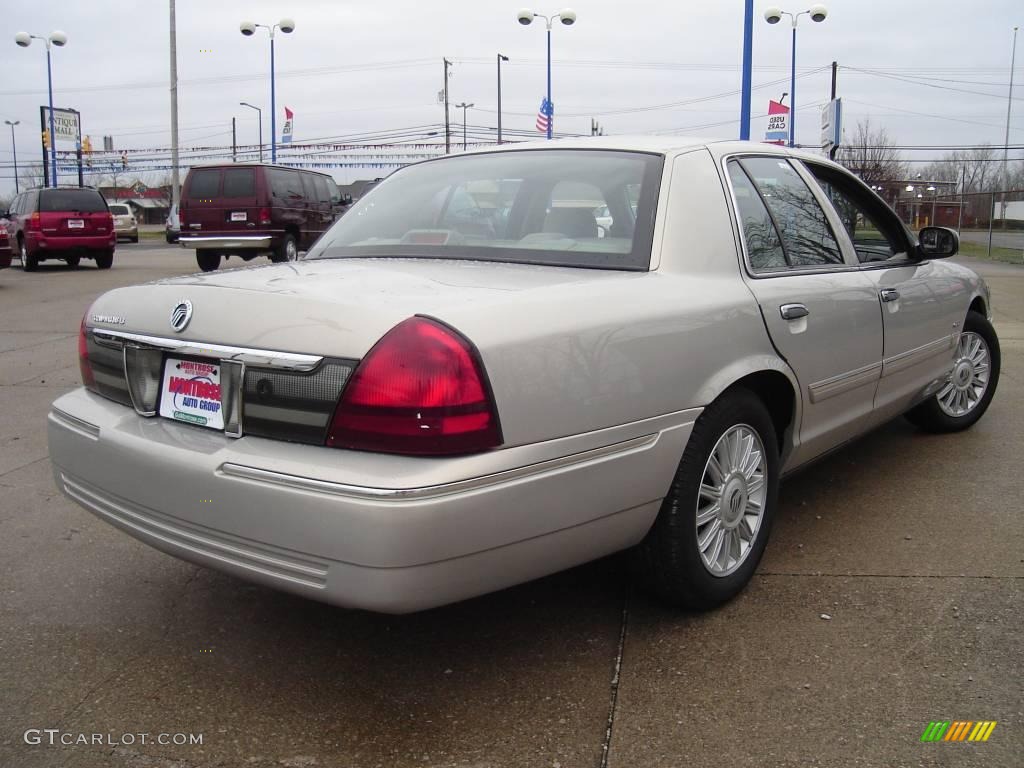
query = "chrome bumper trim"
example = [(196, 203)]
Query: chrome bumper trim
[(264, 358), (76, 424), (297, 482), (201, 242)]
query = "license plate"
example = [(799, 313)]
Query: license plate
[(76, 224), (238, 216), (190, 392)]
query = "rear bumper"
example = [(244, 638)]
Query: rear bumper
[(39, 244), (126, 231), (226, 242), (382, 533)]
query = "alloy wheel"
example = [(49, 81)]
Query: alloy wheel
[(968, 381)]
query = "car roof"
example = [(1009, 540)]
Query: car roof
[(216, 166)]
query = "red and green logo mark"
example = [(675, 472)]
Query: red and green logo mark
[(959, 730)]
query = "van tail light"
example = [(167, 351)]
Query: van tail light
[(421, 390), (88, 380), (264, 216), (35, 222)]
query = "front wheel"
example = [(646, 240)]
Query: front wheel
[(207, 261), (714, 522), (965, 395)]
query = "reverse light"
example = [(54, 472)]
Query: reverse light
[(88, 380), (421, 390)]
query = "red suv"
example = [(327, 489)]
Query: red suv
[(65, 223), (5, 246), (254, 210)]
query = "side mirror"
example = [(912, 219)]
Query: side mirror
[(937, 243)]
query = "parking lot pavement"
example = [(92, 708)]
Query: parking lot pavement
[(911, 544)]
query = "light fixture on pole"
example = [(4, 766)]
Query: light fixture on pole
[(14, 150), (465, 108), (259, 114), (58, 38), (568, 17), (774, 16), (248, 29), (501, 58)]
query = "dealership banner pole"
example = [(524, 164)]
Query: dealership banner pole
[(748, 48), (78, 151), (43, 142)]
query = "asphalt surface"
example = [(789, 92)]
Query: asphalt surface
[(912, 544)]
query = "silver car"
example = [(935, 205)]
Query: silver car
[(463, 386), (125, 224)]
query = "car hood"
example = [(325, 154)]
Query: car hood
[(341, 307)]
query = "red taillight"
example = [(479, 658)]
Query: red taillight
[(421, 390), (264, 216), (88, 380), (35, 222)]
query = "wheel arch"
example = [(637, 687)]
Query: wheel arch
[(775, 384), (978, 304)]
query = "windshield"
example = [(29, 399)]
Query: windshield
[(79, 200), (542, 206)]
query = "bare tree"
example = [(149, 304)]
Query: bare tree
[(977, 170), (31, 175), (872, 155)]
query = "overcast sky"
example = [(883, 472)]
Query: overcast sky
[(618, 61)]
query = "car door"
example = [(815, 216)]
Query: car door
[(821, 313), (922, 301)]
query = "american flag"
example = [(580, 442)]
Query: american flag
[(544, 115)]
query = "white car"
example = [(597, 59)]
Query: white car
[(125, 224), (462, 386)]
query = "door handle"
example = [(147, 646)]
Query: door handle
[(793, 311), (889, 294)]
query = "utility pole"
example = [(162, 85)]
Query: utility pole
[(234, 142), (465, 108), (1009, 108), (501, 58), (835, 74), (175, 178), (447, 124)]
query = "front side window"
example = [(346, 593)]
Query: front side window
[(527, 206), (806, 235), (875, 233)]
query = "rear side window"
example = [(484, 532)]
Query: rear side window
[(764, 246), (240, 182), (81, 200), (323, 191), (204, 184), (119, 210), (286, 186), (806, 235)]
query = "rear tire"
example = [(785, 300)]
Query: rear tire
[(288, 250), (72, 261), (714, 523), (965, 397), (207, 261), (29, 261), (134, 239), (104, 260)]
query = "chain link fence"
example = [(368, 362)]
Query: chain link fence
[(991, 224)]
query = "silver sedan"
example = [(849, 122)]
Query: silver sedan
[(465, 385)]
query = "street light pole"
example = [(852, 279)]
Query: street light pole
[(14, 150), (58, 38), (567, 17), (774, 16), (465, 108), (259, 115), (175, 173), (500, 59), (248, 29)]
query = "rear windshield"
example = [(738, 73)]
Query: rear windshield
[(204, 184), (120, 210), (79, 200), (583, 208), (240, 182)]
